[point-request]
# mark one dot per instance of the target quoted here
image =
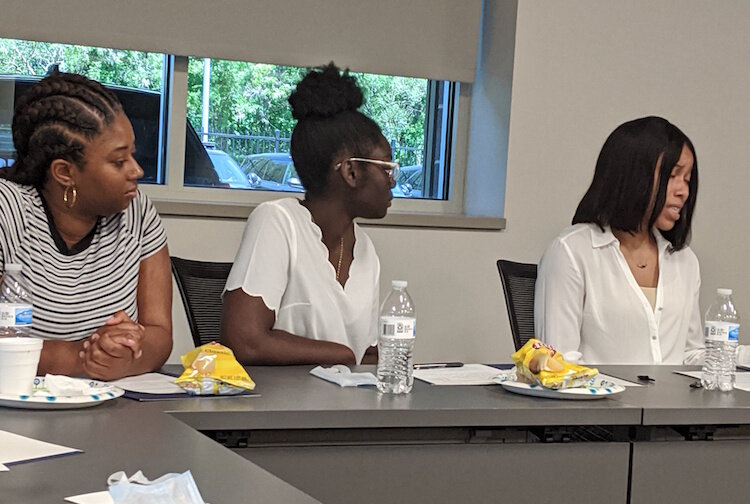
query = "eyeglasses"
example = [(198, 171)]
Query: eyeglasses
[(390, 167)]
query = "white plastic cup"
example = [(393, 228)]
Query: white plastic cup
[(19, 358)]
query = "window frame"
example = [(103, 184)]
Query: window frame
[(172, 198)]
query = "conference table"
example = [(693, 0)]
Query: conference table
[(307, 440)]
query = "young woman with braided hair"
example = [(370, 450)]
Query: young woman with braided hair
[(92, 246), (304, 287)]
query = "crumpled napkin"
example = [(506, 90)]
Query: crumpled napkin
[(343, 376), (171, 488), (61, 385)]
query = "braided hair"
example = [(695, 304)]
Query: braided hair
[(325, 104), (54, 120)]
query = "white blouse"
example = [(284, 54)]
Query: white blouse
[(588, 301), (283, 260)]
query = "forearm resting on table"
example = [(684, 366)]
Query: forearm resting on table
[(156, 347), (275, 347), (61, 357), (247, 328)]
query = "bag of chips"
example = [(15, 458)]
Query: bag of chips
[(541, 364), (211, 369)]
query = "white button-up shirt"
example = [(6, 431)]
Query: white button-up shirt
[(588, 301)]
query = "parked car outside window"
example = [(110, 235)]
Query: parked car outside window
[(229, 171), (409, 182), (275, 169), (142, 107)]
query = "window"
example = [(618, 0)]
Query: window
[(237, 124), (136, 77), (241, 115)]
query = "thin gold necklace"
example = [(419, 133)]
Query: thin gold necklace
[(341, 256), (341, 250)]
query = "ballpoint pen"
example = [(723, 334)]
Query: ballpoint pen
[(438, 365)]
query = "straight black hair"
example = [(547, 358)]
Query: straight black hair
[(620, 193)]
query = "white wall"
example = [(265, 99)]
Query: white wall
[(581, 67)]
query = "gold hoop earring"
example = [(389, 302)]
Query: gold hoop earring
[(70, 199)]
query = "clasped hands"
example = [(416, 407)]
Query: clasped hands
[(110, 352)]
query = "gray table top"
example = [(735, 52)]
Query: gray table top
[(670, 400), (291, 398), (129, 436)]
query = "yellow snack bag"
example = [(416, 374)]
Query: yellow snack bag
[(211, 369), (539, 363)]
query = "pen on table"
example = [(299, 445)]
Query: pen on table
[(438, 365)]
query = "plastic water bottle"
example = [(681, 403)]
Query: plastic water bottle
[(15, 303), (396, 341), (722, 332)]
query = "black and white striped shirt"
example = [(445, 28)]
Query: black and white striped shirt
[(73, 295)]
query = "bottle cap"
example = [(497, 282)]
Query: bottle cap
[(724, 292), (13, 267), (400, 284)]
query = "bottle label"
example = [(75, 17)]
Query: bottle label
[(721, 331), (15, 314), (398, 327)]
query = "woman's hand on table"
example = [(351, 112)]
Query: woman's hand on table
[(111, 350)]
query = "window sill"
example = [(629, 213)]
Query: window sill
[(393, 219)]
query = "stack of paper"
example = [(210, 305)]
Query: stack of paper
[(468, 374)]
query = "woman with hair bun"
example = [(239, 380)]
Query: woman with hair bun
[(304, 286), (92, 246)]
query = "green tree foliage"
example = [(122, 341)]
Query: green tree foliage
[(245, 98), (109, 66), (397, 104), (251, 99)]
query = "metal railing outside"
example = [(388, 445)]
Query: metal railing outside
[(240, 146)]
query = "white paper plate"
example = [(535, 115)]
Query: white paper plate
[(577, 393), (40, 398)]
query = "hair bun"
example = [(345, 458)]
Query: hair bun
[(325, 92)]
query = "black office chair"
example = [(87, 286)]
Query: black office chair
[(518, 281), (201, 284)]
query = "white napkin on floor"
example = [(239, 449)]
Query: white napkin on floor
[(343, 376)]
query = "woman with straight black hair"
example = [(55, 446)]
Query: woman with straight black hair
[(304, 286), (621, 286)]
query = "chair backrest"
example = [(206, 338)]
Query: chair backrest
[(518, 281), (201, 284)]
